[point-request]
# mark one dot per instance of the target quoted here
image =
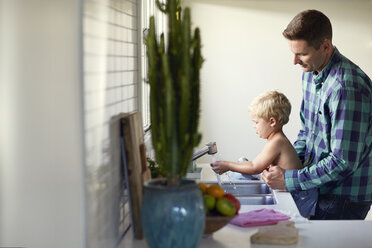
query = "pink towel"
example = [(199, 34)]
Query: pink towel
[(259, 217)]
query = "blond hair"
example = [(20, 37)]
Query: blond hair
[(271, 104)]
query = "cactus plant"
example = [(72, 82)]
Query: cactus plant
[(173, 75)]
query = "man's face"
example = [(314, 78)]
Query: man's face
[(308, 57)]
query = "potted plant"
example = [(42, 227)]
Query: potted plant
[(173, 204), (174, 91)]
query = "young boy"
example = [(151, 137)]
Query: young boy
[(269, 112)]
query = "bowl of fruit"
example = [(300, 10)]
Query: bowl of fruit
[(220, 207)]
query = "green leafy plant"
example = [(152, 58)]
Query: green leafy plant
[(154, 168), (174, 90)]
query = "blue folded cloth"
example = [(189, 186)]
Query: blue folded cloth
[(241, 176)]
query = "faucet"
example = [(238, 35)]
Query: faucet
[(210, 148)]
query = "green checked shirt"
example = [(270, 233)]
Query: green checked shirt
[(335, 141)]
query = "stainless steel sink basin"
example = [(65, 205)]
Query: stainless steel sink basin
[(257, 200), (243, 189), (253, 193), (250, 193)]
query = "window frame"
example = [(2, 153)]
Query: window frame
[(148, 9)]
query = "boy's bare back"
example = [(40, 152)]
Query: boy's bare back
[(287, 158)]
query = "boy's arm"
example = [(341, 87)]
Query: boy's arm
[(266, 157), (259, 164)]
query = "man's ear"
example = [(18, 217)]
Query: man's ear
[(272, 121), (327, 44)]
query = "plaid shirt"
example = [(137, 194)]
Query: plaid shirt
[(335, 141)]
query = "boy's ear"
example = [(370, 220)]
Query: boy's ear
[(272, 121)]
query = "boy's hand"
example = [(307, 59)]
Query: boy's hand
[(219, 167), (274, 177)]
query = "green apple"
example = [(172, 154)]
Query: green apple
[(209, 202), (234, 200), (225, 207)]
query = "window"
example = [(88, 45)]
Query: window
[(149, 8)]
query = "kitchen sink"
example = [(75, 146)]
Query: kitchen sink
[(257, 200), (253, 193), (243, 189), (250, 193)]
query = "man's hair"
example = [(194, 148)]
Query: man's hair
[(310, 25), (271, 104)]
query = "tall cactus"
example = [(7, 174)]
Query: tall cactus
[(173, 75)]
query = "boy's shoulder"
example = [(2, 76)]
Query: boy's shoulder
[(278, 142), (279, 137)]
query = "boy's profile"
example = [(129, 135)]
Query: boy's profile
[(270, 112)]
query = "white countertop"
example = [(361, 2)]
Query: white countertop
[(312, 234)]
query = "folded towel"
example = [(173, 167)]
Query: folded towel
[(260, 217)]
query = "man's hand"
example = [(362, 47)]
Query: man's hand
[(274, 177)]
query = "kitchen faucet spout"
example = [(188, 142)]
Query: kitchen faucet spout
[(210, 148)]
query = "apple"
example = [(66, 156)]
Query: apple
[(225, 207), (233, 199), (209, 202)]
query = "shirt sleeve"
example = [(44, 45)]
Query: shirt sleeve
[(350, 109)]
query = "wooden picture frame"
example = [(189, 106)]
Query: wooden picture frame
[(134, 165)]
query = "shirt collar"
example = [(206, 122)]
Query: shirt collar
[(335, 58)]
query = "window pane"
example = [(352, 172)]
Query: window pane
[(148, 9)]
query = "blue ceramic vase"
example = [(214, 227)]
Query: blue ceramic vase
[(172, 217)]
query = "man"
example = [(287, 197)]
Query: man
[(335, 141)]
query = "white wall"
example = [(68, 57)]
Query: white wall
[(246, 54), (41, 131), (110, 88), (59, 148)]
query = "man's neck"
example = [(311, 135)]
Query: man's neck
[(326, 60)]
